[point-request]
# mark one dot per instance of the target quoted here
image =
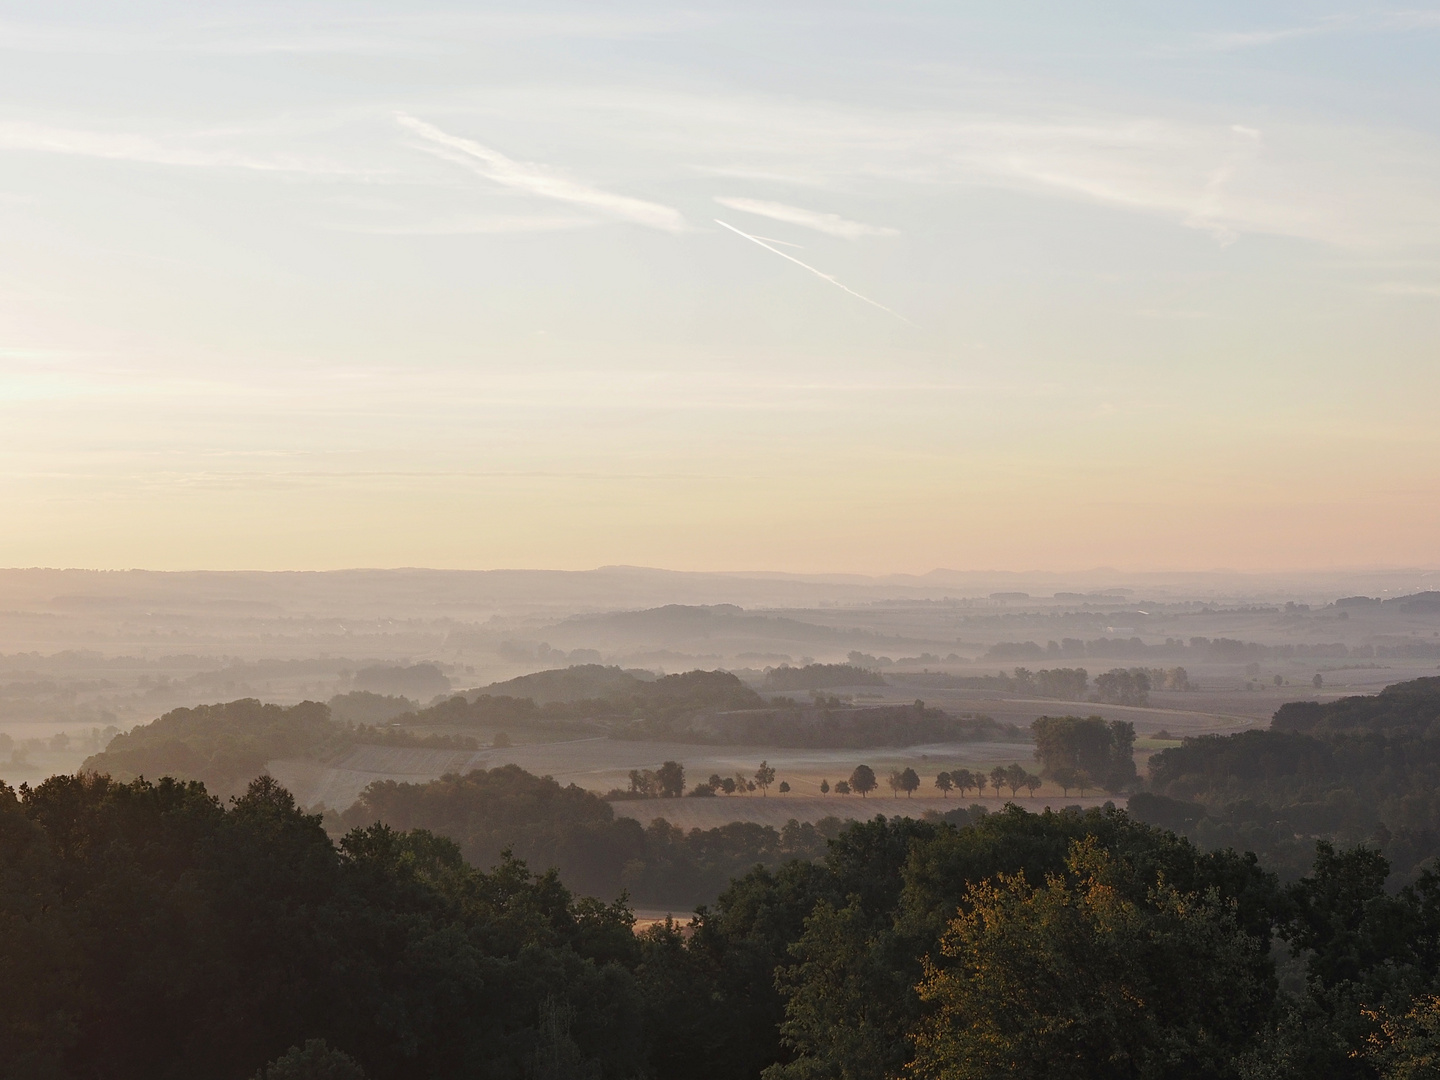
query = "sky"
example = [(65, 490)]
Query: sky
[(870, 287)]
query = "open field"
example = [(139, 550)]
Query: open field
[(601, 764)]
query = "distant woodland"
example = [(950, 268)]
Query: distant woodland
[(1355, 770)]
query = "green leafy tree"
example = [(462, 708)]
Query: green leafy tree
[(909, 781), (842, 787), (1102, 970), (893, 780), (784, 788), (1032, 783), (944, 783), (824, 787), (862, 780), (842, 996), (1406, 1046)]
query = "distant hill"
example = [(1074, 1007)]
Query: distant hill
[(576, 683), (616, 695), (1356, 770), (708, 707), (1412, 707), (225, 745)]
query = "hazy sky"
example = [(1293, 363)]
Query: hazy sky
[(829, 286)]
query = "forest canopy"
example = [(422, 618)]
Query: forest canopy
[(146, 930)]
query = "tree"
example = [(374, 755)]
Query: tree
[(1032, 783), (824, 787), (1015, 779), (1102, 970), (671, 778), (909, 781), (1318, 681), (728, 785), (315, 1061), (1066, 778), (862, 780), (784, 787), (964, 780), (842, 787), (998, 776), (893, 780), (742, 783), (764, 777), (944, 782), (1122, 687), (1405, 1047), (644, 784), (1106, 751)]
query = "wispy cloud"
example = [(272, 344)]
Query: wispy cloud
[(830, 224), (817, 273), (1363, 187), (126, 146), (539, 181)]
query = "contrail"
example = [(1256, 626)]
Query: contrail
[(782, 243), (817, 273)]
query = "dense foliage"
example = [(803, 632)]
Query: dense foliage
[(1351, 770), (147, 931)]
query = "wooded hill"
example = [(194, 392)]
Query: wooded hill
[(1358, 769)]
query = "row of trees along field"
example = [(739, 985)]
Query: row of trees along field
[(668, 782), (148, 931)]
